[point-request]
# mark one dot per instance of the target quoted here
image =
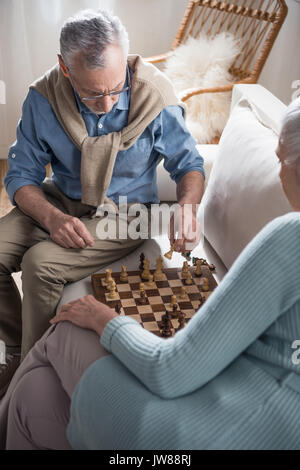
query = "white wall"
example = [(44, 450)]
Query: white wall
[(29, 42), (283, 65), (29, 32)]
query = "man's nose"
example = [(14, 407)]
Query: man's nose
[(107, 103)]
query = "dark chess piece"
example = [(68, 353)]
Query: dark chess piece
[(174, 314), (166, 325), (204, 263), (141, 266), (118, 308), (181, 319), (143, 298)]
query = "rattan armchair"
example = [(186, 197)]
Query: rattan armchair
[(255, 23)]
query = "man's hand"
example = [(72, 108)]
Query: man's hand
[(65, 230), (189, 194), (184, 222), (69, 232), (86, 312)]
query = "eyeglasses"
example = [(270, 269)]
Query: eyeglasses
[(111, 93)]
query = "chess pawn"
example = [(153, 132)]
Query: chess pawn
[(181, 320), (160, 262), (150, 282), (174, 312), (142, 300), (124, 275), (112, 290), (198, 271), (205, 286), (183, 294), (141, 286), (188, 279), (158, 273), (185, 269), (108, 277), (146, 272), (170, 253), (173, 300)]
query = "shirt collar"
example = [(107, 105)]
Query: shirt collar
[(122, 104)]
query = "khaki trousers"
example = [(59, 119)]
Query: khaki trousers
[(46, 267)]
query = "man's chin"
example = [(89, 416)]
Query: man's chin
[(98, 112)]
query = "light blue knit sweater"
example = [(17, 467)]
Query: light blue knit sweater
[(222, 381)]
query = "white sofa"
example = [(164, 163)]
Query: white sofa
[(242, 188)]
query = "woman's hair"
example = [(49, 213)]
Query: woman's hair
[(91, 32), (290, 133)]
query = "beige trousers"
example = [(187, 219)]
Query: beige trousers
[(35, 411), (46, 267)]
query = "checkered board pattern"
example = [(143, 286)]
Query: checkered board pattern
[(157, 298)]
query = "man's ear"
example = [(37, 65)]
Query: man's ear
[(62, 66)]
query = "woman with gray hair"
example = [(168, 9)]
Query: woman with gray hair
[(229, 380), (288, 152)]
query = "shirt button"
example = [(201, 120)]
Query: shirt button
[(13, 155), (100, 125)]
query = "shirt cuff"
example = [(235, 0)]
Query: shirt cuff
[(16, 184), (112, 326)]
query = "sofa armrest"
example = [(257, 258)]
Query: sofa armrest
[(269, 109)]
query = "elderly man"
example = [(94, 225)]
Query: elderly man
[(103, 119)]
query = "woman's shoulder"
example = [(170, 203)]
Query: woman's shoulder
[(291, 219), (281, 230)]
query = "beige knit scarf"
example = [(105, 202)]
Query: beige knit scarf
[(151, 91)]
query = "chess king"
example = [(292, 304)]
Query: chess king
[(102, 118)]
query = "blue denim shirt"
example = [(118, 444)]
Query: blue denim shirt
[(42, 140)]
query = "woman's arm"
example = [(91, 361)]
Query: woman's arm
[(261, 285)]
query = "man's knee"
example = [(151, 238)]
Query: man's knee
[(36, 264), (9, 262)]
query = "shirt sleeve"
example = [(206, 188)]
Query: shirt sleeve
[(29, 155), (176, 145), (232, 318)]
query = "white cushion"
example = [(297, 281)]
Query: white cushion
[(268, 109), (244, 190)]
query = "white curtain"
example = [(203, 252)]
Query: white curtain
[(29, 42)]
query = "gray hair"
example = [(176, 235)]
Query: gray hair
[(290, 133), (91, 32)]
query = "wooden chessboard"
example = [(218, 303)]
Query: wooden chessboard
[(158, 297)]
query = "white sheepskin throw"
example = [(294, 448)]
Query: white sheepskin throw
[(204, 62)]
